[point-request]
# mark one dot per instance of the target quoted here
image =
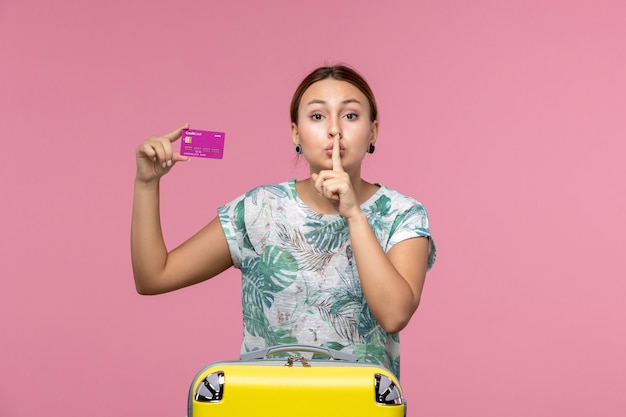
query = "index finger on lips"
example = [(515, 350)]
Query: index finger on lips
[(337, 155)]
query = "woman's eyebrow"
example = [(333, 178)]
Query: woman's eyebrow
[(347, 101)]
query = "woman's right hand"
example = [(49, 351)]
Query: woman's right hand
[(155, 157)]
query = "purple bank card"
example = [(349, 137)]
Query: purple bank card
[(202, 143)]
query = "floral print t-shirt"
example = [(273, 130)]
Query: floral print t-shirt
[(300, 284)]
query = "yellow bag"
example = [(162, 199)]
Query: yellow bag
[(295, 386)]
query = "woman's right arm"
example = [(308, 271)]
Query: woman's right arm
[(156, 270)]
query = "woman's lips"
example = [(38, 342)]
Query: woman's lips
[(329, 151)]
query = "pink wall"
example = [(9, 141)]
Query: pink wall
[(506, 119)]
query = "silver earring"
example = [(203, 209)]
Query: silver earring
[(371, 149), (298, 148)]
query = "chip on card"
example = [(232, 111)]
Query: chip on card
[(202, 143)]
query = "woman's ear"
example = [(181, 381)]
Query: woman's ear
[(374, 132), (294, 134)]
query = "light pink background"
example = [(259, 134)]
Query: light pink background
[(505, 118)]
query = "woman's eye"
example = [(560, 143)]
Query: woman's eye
[(352, 116), (316, 116)]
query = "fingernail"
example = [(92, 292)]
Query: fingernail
[(169, 163), (163, 164)]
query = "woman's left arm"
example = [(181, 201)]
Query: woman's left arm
[(392, 282)]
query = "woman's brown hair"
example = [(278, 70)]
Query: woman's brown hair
[(339, 73)]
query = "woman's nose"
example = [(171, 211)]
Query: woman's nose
[(334, 130)]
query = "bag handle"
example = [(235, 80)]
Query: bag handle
[(264, 353)]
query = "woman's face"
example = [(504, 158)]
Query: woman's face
[(327, 108)]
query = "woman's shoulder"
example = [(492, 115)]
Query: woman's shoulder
[(277, 191), (261, 196), (396, 198), (272, 194), (283, 190)]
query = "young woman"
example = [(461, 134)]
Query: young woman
[(331, 260)]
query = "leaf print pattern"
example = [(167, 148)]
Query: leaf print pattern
[(278, 268), (300, 283), (311, 258), (277, 190), (346, 302), (328, 236), (339, 316), (256, 322), (254, 290)]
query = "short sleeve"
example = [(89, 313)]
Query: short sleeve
[(231, 217), (411, 223)]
